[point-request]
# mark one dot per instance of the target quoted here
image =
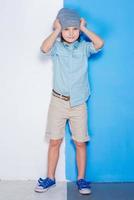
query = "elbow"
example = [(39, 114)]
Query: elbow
[(101, 44), (43, 50)]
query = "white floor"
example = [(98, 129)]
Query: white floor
[(24, 190)]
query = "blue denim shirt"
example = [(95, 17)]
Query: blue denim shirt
[(70, 69)]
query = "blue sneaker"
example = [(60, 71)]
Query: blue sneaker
[(44, 184), (83, 186)]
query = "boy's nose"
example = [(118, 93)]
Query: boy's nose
[(70, 33)]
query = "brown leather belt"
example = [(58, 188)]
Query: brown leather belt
[(66, 98)]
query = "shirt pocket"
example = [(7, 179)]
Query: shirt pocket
[(77, 54), (62, 54)]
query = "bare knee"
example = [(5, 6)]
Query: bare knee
[(80, 144), (55, 143)]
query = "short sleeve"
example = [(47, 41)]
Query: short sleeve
[(52, 51), (90, 49)]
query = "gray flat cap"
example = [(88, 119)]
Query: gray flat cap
[(68, 17)]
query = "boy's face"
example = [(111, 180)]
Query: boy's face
[(70, 34)]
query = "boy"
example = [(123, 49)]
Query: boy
[(70, 92)]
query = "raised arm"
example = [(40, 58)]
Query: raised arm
[(97, 41), (49, 41)]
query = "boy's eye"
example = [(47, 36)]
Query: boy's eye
[(75, 28)]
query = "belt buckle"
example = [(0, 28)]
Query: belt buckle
[(66, 98), (63, 98)]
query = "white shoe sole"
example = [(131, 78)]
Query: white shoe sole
[(85, 191), (40, 190)]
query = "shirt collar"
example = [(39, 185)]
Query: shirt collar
[(74, 44)]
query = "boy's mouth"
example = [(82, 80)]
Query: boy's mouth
[(70, 38)]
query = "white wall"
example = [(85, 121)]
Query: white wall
[(25, 88)]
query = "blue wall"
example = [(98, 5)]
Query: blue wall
[(110, 154)]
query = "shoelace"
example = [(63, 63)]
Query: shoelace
[(44, 182), (83, 184)]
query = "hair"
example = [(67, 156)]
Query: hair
[(62, 39)]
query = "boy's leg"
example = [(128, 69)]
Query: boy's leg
[(55, 130), (53, 156), (78, 125), (79, 129), (80, 158)]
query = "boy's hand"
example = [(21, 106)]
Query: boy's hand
[(97, 41), (82, 24), (57, 25)]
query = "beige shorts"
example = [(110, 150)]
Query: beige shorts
[(59, 112)]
